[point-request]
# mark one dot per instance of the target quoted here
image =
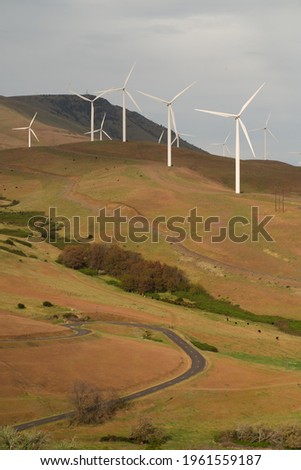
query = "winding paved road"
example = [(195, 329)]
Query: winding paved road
[(198, 364)]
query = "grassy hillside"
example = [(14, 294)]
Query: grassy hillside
[(256, 373), (70, 113)]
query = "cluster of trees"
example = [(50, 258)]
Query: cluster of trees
[(135, 273)]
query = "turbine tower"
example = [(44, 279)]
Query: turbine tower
[(125, 93), (266, 130), (92, 109), (224, 145), (239, 124), (170, 118), (30, 130)]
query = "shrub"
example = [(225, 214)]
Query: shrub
[(46, 303), (285, 437), (93, 406), (145, 432), (204, 346), (21, 306), (10, 439)]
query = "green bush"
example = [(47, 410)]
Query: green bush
[(21, 306), (46, 303), (203, 346), (10, 439)]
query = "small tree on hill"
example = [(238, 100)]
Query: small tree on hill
[(145, 432), (92, 405)]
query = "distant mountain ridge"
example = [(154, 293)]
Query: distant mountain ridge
[(73, 114)]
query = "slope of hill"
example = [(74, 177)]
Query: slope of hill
[(70, 113), (256, 372)]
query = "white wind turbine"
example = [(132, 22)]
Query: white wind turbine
[(239, 124), (125, 93), (170, 118), (100, 130), (224, 145), (30, 130), (92, 108), (296, 153), (266, 130), (177, 138)]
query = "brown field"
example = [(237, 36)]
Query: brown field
[(16, 327), (253, 378), (49, 369)]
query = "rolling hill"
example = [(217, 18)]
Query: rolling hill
[(255, 374), (70, 115)]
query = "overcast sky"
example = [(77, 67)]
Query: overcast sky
[(228, 47)]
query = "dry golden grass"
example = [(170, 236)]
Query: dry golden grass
[(254, 377)]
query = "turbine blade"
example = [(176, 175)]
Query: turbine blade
[(250, 99), (247, 136), (274, 137), (107, 135), (227, 149), (20, 128), (216, 113), (33, 132), (227, 138), (173, 141), (160, 138), (103, 121), (109, 90), (31, 122), (128, 77), (267, 121), (173, 120), (80, 96), (181, 92), (153, 97), (130, 96), (257, 129)]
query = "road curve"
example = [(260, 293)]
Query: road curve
[(198, 363)]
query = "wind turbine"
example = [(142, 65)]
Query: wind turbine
[(177, 138), (100, 130), (92, 108), (125, 93), (170, 118), (30, 130), (239, 124), (266, 131), (296, 153), (224, 145)]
